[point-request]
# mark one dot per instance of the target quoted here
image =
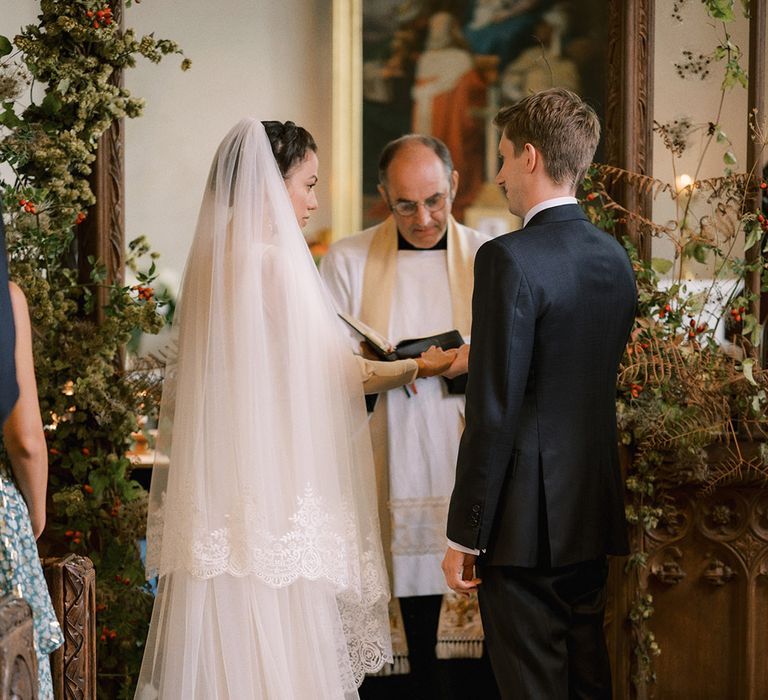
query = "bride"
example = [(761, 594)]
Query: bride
[(264, 530)]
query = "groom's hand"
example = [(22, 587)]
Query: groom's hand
[(459, 571)]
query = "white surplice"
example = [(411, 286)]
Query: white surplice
[(423, 430)]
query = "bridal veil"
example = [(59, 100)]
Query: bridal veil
[(263, 530)]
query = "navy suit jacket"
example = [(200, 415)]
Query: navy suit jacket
[(538, 481), (9, 391)]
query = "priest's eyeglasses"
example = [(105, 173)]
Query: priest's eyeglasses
[(405, 207)]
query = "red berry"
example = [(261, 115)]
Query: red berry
[(76, 540), (88, 488), (89, 14), (763, 185), (95, 24), (69, 533), (667, 307), (738, 318), (103, 638)]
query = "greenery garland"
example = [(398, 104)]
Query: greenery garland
[(68, 63), (681, 394)]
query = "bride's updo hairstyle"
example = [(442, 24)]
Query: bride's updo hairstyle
[(290, 144)]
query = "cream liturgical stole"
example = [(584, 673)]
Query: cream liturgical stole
[(407, 294)]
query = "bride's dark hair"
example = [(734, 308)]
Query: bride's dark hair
[(289, 142)]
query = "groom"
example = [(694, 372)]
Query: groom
[(538, 498)]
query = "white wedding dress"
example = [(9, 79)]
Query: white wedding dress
[(263, 530)]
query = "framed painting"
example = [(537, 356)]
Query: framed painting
[(445, 67)]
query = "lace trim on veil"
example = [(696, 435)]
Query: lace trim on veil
[(317, 547)]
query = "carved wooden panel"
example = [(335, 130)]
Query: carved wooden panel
[(629, 105), (18, 664), (708, 575), (102, 234), (72, 582)]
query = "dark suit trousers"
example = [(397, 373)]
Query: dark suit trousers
[(544, 628)]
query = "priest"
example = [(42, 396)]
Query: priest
[(409, 277)]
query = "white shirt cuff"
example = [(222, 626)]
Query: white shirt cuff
[(462, 548)]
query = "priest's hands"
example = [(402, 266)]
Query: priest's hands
[(435, 361), (459, 571), (460, 363)]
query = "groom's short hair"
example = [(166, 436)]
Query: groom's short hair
[(560, 125)]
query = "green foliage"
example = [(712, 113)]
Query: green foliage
[(680, 391), (89, 403)]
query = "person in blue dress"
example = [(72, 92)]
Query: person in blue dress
[(23, 481)]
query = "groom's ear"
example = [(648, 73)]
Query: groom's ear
[(532, 157)]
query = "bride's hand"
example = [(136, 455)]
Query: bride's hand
[(435, 361)]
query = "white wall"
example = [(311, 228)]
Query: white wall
[(675, 97), (271, 59), (263, 58)]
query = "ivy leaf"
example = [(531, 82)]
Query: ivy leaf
[(661, 265), (753, 237), (9, 118), (700, 254), (746, 368), (750, 321), (52, 103), (100, 482), (729, 158), (5, 46), (720, 9)]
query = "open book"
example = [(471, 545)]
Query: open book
[(410, 347)]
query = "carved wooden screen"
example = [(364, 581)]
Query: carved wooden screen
[(102, 234), (18, 664)]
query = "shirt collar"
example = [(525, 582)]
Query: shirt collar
[(442, 244), (547, 204)]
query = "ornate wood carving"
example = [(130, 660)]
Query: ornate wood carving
[(629, 105), (72, 583), (708, 575), (18, 663), (102, 234)]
